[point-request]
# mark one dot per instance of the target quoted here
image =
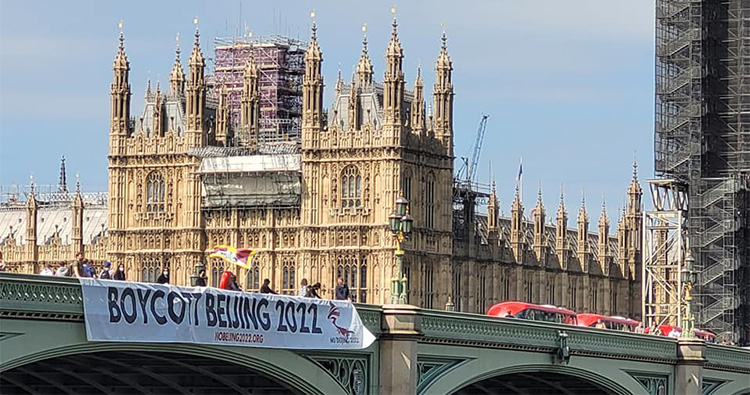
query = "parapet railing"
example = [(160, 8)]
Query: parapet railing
[(60, 298), (493, 332)]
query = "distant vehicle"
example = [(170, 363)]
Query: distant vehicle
[(533, 312), (708, 336), (609, 322)]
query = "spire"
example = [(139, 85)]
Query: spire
[(121, 59), (603, 220), (32, 188), (250, 103), (561, 208), (312, 90), (196, 57), (582, 215), (635, 187), (313, 50), (393, 81), (120, 95), (364, 67), (195, 93), (443, 96), (177, 76), (222, 116), (339, 81), (417, 105), (492, 208), (62, 184)]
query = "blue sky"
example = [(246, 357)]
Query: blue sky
[(568, 84)]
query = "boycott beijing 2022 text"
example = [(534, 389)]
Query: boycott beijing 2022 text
[(243, 311)]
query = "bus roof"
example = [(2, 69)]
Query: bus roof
[(512, 308), (589, 319)]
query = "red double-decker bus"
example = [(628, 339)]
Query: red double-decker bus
[(607, 322), (533, 312)]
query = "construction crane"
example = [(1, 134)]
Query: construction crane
[(468, 171)]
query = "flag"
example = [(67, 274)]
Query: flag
[(241, 257), (520, 172)]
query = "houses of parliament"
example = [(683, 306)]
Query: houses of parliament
[(183, 179)]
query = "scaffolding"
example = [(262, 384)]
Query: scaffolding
[(665, 244), (281, 64), (702, 138)]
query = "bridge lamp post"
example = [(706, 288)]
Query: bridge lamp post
[(688, 277), (194, 277), (400, 223)]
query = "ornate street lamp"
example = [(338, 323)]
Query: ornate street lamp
[(688, 277), (400, 223)]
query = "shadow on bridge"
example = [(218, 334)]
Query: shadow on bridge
[(129, 372)]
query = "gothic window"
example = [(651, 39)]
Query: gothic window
[(216, 271), (155, 191), (429, 192), (457, 286), (406, 185), (613, 302), (551, 292), (594, 296), (529, 292), (482, 288), (348, 268), (572, 288), (253, 279), (427, 286), (287, 276), (150, 270), (351, 187), (506, 286)]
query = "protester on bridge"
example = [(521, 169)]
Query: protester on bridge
[(266, 288), (61, 270), (654, 329), (120, 273), (164, 276), (229, 281), (76, 269), (47, 271), (202, 278), (600, 325), (312, 291), (640, 328), (342, 291), (302, 289), (89, 270), (106, 273)]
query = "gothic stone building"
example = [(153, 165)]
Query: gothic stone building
[(182, 179)]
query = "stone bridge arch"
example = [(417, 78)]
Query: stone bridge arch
[(26, 345), (610, 379)]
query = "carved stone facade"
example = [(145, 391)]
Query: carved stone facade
[(375, 142)]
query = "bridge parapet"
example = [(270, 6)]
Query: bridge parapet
[(48, 298), (727, 358), (510, 333)]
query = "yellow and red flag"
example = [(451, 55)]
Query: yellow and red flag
[(241, 257)]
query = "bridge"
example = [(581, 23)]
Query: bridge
[(44, 349)]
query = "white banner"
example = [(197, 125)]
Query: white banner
[(119, 311)]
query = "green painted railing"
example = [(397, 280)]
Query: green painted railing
[(39, 297), (474, 329)]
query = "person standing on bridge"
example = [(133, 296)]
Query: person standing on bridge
[(120, 273), (266, 287), (106, 274), (164, 276), (342, 291), (47, 271), (302, 289), (76, 269)]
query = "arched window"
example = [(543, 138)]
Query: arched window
[(457, 286), (482, 288), (351, 187), (155, 192), (348, 268), (253, 276), (287, 276), (427, 281), (216, 271), (429, 192)]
